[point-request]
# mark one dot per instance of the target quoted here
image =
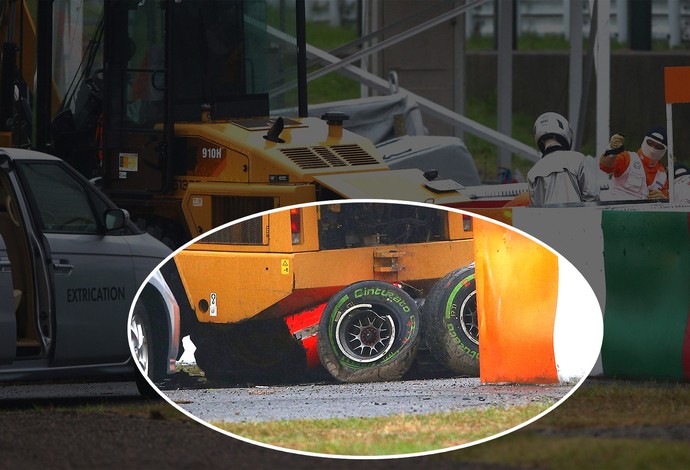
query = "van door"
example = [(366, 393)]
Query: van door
[(8, 322), (93, 271), (27, 329)]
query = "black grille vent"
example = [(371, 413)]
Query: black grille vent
[(309, 158), (229, 208), (244, 233), (354, 155)]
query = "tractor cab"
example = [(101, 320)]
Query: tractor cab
[(170, 62)]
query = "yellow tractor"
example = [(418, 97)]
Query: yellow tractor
[(190, 113), (335, 284)]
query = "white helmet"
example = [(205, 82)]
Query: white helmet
[(552, 126)]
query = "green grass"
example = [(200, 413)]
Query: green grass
[(623, 404), (532, 451), (401, 434), (484, 153), (331, 87), (153, 409), (327, 37), (571, 436), (529, 41)]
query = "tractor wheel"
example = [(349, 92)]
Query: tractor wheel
[(369, 332), (451, 330)]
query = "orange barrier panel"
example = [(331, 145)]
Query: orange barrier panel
[(517, 291), (676, 84)]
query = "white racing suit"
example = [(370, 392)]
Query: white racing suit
[(563, 176), (632, 183), (681, 190)]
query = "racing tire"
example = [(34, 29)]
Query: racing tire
[(451, 328), (148, 348), (262, 351), (369, 332)]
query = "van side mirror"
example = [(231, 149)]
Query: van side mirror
[(116, 219)]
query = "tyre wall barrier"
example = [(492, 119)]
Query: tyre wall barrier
[(540, 321), (638, 263)]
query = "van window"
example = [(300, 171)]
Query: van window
[(62, 201)]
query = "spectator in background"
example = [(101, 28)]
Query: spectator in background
[(681, 184), (637, 175)]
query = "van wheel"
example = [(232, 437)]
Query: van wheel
[(451, 329), (369, 332), (148, 353), (145, 389)]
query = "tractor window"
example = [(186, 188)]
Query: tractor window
[(61, 201), (146, 65), (238, 57), (369, 224), (221, 53)]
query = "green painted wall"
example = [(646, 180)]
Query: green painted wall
[(647, 265)]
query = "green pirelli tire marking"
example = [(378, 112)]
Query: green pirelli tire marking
[(331, 320), (454, 292), (647, 264)]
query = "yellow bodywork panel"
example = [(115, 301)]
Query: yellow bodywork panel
[(247, 284), (235, 151), (197, 204), (236, 283), (274, 266), (412, 263)]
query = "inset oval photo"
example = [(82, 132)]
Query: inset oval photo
[(366, 329)]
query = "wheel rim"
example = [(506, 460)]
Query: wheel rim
[(363, 335), (469, 318), (139, 342)]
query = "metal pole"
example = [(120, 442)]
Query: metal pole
[(669, 137), (505, 77), (44, 73), (575, 66), (673, 23), (587, 76), (459, 56), (302, 100), (622, 20), (603, 68)]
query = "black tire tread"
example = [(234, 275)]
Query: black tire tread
[(393, 369), (436, 335)]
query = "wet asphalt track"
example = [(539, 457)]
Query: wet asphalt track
[(330, 400)]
